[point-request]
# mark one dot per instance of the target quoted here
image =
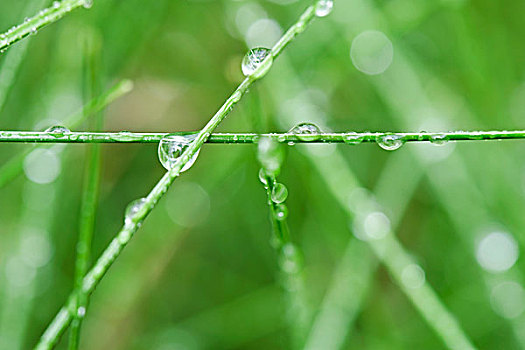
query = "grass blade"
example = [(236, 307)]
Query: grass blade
[(13, 167), (32, 25), (133, 222)]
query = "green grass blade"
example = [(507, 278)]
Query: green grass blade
[(12, 168), (133, 222), (45, 17), (88, 205), (341, 181), (289, 254), (13, 59)]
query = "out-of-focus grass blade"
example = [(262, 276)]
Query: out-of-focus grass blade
[(90, 194), (13, 167)]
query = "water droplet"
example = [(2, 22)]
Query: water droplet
[(236, 96), (132, 209), (353, 138), (57, 130), (171, 148), (439, 139), (270, 155), (306, 132), (56, 4), (290, 259), (125, 136), (413, 276), (324, 7), (281, 212), (87, 4), (279, 193), (263, 177), (390, 142), (257, 62), (81, 311)]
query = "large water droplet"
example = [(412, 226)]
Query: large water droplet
[(306, 132), (57, 130), (171, 148), (279, 193), (257, 62), (132, 209), (390, 142), (324, 7), (353, 138)]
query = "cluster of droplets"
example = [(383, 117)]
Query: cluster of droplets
[(257, 62), (271, 156), (307, 132), (57, 130), (278, 194), (171, 150)]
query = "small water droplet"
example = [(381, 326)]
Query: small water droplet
[(171, 148), (58, 130), (132, 209), (270, 154), (263, 177), (324, 7), (439, 139), (279, 193), (125, 136), (306, 132), (56, 4), (236, 97), (81, 311), (257, 62), (87, 4), (353, 138), (390, 142), (281, 212), (290, 259)]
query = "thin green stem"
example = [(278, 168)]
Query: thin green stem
[(289, 255), (134, 220), (46, 16), (13, 59), (351, 138), (13, 167), (89, 204)]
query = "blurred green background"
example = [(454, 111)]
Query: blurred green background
[(201, 273)]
